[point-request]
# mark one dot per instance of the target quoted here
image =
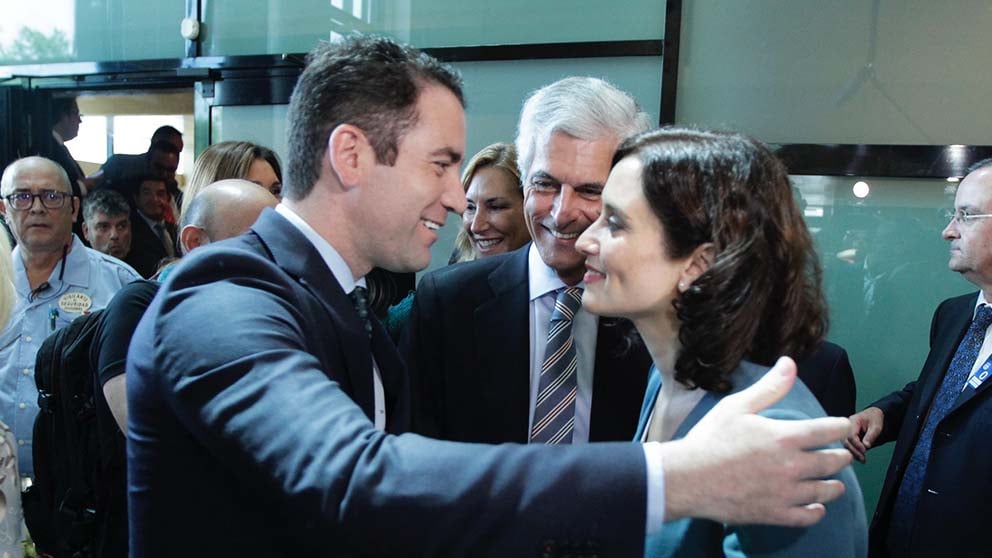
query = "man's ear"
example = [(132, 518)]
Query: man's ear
[(697, 264), (76, 204), (348, 151), (86, 231), (192, 237)]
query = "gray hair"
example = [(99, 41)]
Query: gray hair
[(108, 202), (586, 108)]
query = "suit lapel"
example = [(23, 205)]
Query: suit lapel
[(293, 253), (501, 331), (394, 379), (952, 332)]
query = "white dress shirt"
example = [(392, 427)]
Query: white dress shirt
[(342, 273)]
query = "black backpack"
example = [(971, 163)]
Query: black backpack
[(60, 508)]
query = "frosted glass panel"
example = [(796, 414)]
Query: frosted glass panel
[(885, 271), (90, 30), (279, 26), (261, 124), (805, 71)]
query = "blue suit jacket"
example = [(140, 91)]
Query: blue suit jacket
[(841, 534), (250, 391), (952, 513)]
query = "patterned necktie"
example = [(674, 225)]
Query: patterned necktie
[(360, 298), (904, 510), (554, 411), (167, 245)]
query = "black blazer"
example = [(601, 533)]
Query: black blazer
[(828, 374), (468, 350), (953, 511), (146, 246), (250, 393)]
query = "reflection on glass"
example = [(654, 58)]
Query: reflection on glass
[(280, 26), (885, 272)]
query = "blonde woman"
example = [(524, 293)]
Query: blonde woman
[(234, 159), (493, 222)]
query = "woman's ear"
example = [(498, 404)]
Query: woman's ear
[(348, 149), (696, 264)]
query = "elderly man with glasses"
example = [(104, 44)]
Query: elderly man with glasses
[(935, 499), (56, 278)]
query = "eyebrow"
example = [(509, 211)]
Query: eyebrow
[(614, 210), (543, 174), (453, 156)]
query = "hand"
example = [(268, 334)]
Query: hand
[(865, 428), (737, 467)]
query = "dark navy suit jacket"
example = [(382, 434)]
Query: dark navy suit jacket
[(952, 517), (467, 345), (250, 392)]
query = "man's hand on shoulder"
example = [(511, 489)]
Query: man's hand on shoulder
[(735, 466)]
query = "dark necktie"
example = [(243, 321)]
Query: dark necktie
[(360, 298), (904, 510), (166, 239), (554, 410)]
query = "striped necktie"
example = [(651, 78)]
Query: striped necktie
[(554, 411), (360, 298)]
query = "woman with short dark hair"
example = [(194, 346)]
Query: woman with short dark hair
[(701, 245)]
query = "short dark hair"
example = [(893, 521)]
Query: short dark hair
[(762, 295), (163, 132), (979, 165), (162, 145), (59, 107), (370, 82), (105, 201)]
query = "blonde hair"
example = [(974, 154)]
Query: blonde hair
[(227, 159), (499, 155), (7, 294)]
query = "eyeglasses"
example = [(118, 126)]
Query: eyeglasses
[(965, 218), (24, 200)]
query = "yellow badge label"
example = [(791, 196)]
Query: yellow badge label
[(78, 303)]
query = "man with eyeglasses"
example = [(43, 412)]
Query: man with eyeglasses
[(936, 496), (56, 278)]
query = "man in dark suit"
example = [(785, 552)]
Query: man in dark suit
[(261, 391), (475, 343), (152, 237), (936, 496), (161, 159), (65, 119)]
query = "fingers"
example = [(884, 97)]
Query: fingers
[(803, 516), (874, 429), (820, 464), (853, 444), (767, 391), (811, 433)]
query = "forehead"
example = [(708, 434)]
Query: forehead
[(152, 186), (975, 191), (573, 160), (37, 177), (624, 189), (492, 181), (100, 216), (440, 123)]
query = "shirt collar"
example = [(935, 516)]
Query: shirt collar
[(77, 270), (541, 278), (151, 222), (981, 300), (339, 268)]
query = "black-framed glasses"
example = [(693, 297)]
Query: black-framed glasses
[(50, 199)]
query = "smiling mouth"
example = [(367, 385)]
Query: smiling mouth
[(431, 225), (562, 235), (487, 243)]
